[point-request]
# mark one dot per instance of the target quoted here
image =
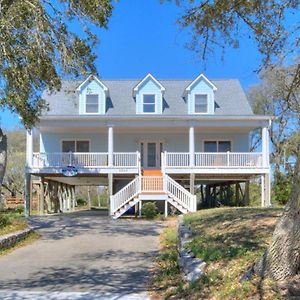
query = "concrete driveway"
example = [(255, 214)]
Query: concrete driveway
[(84, 255)]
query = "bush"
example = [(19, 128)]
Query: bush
[(81, 202), (4, 220), (149, 210), (19, 209), (282, 187)]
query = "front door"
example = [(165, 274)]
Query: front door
[(151, 154)]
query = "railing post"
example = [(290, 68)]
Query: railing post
[(165, 184), (162, 159), (192, 146), (110, 146), (140, 184), (228, 157)]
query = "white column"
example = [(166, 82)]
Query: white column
[(192, 146), (265, 146), (262, 182), (267, 196), (29, 148), (166, 208), (110, 145)]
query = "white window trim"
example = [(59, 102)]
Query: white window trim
[(74, 140), (91, 94), (155, 104), (217, 141), (194, 100)]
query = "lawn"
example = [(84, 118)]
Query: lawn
[(229, 240), (11, 221)]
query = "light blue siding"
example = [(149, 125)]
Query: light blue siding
[(51, 142), (201, 87), (92, 87), (149, 87), (129, 142)]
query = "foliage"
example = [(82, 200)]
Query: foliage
[(4, 220), (254, 194), (270, 98), (13, 221), (149, 210), (19, 209), (81, 202), (282, 187), (216, 24), (39, 46), (14, 176)]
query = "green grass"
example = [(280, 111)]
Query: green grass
[(16, 222), (230, 240)]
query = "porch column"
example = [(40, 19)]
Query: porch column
[(110, 146), (192, 146), (27, 193), (29, 148), (265, 146)]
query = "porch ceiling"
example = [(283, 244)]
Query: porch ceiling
[(87, 180)]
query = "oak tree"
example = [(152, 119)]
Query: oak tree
[(221, 23), (42, 41)]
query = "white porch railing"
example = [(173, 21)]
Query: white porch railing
[(127, 193), (126, 159), (84, 160), (214, 160), (180, 194), (153, 184)]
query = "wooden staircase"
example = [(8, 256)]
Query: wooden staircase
[(152, 185)]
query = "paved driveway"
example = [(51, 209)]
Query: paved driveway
[(83, 255)]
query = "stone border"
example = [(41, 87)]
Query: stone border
[(9, 240), (193, 268)]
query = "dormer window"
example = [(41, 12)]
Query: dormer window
[(201, 103), (148, 96), (149, 104), (92, 103)]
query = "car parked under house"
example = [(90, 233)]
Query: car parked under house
[(147, 139)]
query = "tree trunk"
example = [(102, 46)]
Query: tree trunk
[(282, 258), (3, 158)]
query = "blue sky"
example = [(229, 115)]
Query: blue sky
[(143, 37)]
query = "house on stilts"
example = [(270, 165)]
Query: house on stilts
[(147, 139)]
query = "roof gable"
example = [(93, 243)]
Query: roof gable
[(145, 79), (200, 77), (91, 78)]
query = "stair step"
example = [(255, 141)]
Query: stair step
[(156, 172)]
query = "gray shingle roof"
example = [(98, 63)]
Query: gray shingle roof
[(230, 98)]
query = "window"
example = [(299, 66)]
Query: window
[(201, 103), (217, 146), (149, 103), (92, 104), (75, 146)]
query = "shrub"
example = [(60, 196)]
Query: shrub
[(81, 202), (282, 187), (19, 209), (4, 220), (150, 210)]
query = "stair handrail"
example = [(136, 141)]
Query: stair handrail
[(124, 195), (183, 197)]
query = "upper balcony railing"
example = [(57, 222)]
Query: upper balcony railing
[(213, 160), (85, 160)]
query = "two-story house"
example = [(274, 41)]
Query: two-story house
[(146, 139)]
